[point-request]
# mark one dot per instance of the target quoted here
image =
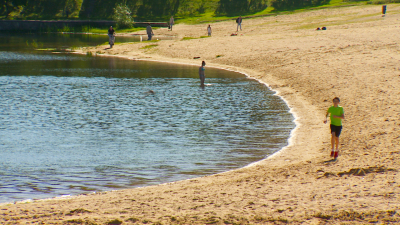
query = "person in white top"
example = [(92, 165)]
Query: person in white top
[(209, 30), (171, 22)]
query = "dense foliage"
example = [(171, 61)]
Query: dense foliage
[(39, 8), (230, 7), (122, 15), (140, 9), (295, 4), (147, 9)]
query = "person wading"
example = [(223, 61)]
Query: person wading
[(202, 74)]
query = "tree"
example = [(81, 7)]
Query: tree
[(71, 6), (158, 9), (235, 7), (9, 6), (122, 16)]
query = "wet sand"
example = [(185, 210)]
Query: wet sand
[(357, 59)]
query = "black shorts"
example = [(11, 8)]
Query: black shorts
[(336, 129)]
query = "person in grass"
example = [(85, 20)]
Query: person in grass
[(209, 30), (336, 116), (202, 74)]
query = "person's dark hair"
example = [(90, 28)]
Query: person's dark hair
[(203, 63), (336, 98)]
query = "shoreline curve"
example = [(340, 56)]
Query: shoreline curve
[(356, 58), (289, 140)]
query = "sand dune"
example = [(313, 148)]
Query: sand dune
[(357, 59)]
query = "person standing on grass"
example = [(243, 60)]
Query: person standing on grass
[(209, 30), (202, 74), (336, 116), (239, 23), (111, 36), (149, 31), (171, 22)]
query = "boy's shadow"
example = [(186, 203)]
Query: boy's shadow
[(330, 161)]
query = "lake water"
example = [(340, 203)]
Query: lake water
[(74, 124)]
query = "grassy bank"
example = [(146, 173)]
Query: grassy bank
[(270, 11), (207, 14)]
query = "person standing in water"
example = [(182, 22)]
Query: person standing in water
[(336, 113), (171, 22), (111, 36), (202, 74), (209, 30), (149, 31)]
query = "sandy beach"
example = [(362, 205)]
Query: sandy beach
[(357, 59)]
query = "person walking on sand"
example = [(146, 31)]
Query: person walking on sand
[(202, 74), (111, 36), (149, 31), (209, 30), (171, 22), (239, 23), (336, 113)]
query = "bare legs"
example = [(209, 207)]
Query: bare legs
[(202, 79), (335, 140)]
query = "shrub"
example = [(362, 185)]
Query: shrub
[(122, 15)]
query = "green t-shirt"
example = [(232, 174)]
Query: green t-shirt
[(337, 111)]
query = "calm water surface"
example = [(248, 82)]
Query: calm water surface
[(74, 124)]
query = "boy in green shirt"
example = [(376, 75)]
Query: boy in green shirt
[(336, 115)]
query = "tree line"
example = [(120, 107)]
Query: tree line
[(140, 9)]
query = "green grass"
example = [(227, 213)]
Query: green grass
[(118, 31), (92, 30), (149, 41), (188, 38), (209, 17), (191, 38), (149, 46)]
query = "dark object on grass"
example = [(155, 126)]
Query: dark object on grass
[(383, 10), (323, 28), (318, 28), (233, 34), (196, 57)]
